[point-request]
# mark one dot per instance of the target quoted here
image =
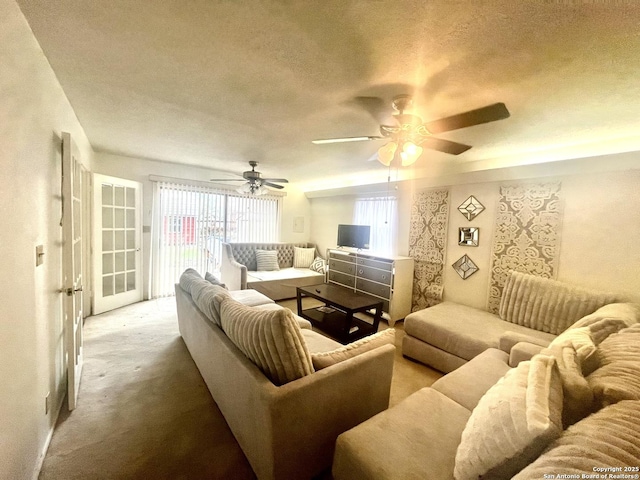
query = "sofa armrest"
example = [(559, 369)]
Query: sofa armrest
[(522, 351), (307, 415), (509, 339), (232, 273)]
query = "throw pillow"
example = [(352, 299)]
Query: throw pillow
[(303, 257), (513, 422), (618, 377), (318, 265), (271, 339), (267, 260), (608, 438), (209, 277), (326, 359)]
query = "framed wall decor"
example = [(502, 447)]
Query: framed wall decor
[(468, 236), (465, 267), (471, 208)]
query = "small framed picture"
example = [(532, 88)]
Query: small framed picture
[(468, 236)]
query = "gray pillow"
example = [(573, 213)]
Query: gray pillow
[(210, 277), (267, 260)]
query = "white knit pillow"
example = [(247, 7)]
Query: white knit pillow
[(513, 422), (326, 359), (303, 257), (271, 339), (267, 260)]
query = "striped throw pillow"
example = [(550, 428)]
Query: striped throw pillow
[(267, 260), (303, 257)]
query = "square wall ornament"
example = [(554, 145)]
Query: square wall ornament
[(471, 208), (468, 236), (465, 267)]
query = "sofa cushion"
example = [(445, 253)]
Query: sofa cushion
[(344, 352), (250, 297), (270, 339), (625, 313), (467, 384), (462, 331), (608, 438), (618, 375), (420, 434), (303, 323), (547, 305), (267, 260), (317, 342), (303, 257), (513, 422)]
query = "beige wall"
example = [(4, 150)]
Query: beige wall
[(33, 112), (599, 231), (294, 204)]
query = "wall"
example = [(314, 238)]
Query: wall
[(599, 231), (33, 112), (294, 204)]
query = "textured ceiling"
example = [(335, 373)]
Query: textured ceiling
[(219, 83)]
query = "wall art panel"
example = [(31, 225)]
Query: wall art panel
[(527, 234), (427, 246)]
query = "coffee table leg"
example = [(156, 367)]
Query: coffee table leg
[(347, 326), (299, 300), (376, 318)]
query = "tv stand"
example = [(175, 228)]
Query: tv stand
[(389, 278)]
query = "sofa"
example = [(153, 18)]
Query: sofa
[(239, 270), (532, 309), (489, 420), (285, 391)]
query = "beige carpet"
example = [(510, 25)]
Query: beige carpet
[(144, 412)]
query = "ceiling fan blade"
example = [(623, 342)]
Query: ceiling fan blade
[(491, 113), (227, 180), (445, 146), (272, 185), (278, 180), (344, 139)]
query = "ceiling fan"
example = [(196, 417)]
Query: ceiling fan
[(255, 184), (409, 135)]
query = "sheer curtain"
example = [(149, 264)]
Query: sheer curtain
[(381, 213), (190, 223)]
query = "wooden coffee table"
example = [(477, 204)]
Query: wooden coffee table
[(336, 318)]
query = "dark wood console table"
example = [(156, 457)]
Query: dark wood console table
[(336, 318)]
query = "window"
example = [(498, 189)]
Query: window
[(194, 221), (381, 214)]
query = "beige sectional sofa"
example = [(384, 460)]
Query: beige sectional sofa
[(532, 309), (239, 269), (488, 420), (285, 391)]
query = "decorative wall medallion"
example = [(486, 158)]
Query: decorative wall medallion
[(465, 267), (471, 208), (468, 236)]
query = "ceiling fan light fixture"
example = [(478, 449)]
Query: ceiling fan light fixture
[(410, 153), (386, 153)]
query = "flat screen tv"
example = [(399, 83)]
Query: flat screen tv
[(356, 236)]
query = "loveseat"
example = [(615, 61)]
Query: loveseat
[(285, 391), (532, 309), (572, 409), (239, 269)]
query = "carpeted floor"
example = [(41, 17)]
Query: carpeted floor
[(144, 412)]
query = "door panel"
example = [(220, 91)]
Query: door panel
[(117, 238), (72, 194)]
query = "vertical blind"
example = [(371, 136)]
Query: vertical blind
[(191, 223), (381, 214)]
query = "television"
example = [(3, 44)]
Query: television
[(356, 236)]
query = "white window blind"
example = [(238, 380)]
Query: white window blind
[(381, 214), (191, 222)]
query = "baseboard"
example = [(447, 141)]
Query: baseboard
[(45, 447)]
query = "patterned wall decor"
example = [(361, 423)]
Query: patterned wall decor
[(527, 234), (427, 245)]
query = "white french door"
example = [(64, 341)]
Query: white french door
[(72, 193), (117, 265)]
